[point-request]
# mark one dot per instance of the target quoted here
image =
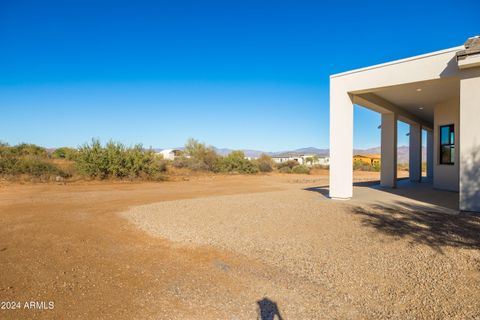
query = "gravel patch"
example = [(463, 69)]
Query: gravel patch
[(332, 259)]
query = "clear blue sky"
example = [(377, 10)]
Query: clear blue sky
[(238, 74)]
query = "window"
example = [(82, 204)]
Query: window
[(447, 144)]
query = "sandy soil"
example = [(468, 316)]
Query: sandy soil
[(229, 248)]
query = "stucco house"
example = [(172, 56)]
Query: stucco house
[(170, 154), (370, 159), (438, 92), (284, 157), (305, 159)]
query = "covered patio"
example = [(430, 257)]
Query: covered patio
[(436, 92), (407, 194)]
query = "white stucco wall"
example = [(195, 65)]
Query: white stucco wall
[(470, 141), (445, 176)]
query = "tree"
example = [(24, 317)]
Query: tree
[(201, 154)]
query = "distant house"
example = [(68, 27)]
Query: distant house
[(305, 159), (313, 159), (370, 159), (284, 157), (170, 154)]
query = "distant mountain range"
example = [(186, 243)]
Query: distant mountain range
[(402, 152)]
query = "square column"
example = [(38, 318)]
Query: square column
[(388, 174), (469, 146), (415, 153), (341, 143), (430, 154)]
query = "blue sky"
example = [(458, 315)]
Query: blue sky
[(238, 74)]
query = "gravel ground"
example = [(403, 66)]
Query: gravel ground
[(316, 258), (234, 247)]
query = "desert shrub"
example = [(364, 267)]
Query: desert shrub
[(235, 162), (402, 166), (301, 169), (192, 164), (311, 160), (321, 166), (265, 163), (198, 156), (285, 169), (264, 167), (290, 164), (29, 165), (65, 153), (37, 167), (27, 159), (25, 149), (115, 160), (362, 166)]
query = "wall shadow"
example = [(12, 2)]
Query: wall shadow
[(268, 310), (323, 190), (418, 191), (423, 192), (421, 226)]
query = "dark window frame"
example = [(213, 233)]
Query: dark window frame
[(450, 145)]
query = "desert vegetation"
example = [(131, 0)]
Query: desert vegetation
[(28, 160), (362, 166), (292, 166), (114, 160)]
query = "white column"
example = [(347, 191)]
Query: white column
[(341, 143), (388, 174), (430, 154), (469, 146), (415, 153)]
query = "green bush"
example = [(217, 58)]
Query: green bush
[(190, 163), (65, 153), (285, 169), (29, 165), (27, 159), (311, 160), (265, 163), (290, 164), (235, 162), (117, 161), (25, 149), (321, 166), (301, 169), (362, 166), (198, 156)]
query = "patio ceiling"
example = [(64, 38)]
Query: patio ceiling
[(420, 98)]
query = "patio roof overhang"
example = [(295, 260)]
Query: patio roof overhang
[(409, 87)]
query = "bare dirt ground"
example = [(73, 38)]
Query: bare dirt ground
[(231, 247)]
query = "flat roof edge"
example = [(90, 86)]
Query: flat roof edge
[(386, 64)]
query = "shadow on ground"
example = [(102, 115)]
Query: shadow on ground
[(268, 310), (368, 191), (323, 190), (421, 226)]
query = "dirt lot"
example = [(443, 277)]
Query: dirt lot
[(230, 247)]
